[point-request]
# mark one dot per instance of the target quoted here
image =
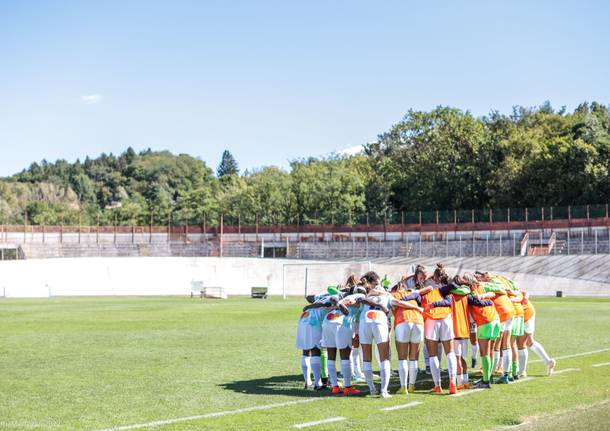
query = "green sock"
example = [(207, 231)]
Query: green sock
[(323, 369), (515, 368), (486, 361)]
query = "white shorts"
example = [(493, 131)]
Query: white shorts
[(370, 331), (507, 325), (461, 347), (529, 327), (409, 332), (308, 337), (439, 330), (336, 336)]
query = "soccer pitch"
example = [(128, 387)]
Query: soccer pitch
[(169, 363)]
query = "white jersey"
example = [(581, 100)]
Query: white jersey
[(373, 314)]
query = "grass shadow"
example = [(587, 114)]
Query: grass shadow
[(290, 385)]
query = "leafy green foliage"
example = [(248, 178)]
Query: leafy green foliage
[(442, 159)]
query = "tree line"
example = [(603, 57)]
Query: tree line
[(445, 158)]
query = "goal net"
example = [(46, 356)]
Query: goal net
[(302, 279)]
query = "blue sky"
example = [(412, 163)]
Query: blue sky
[(275, 80)]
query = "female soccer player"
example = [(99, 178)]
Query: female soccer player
[(373, 325), (438, 326), (337, 333), (488, 327), (309, 337), (495, 290), (408, 333), (527, 340)]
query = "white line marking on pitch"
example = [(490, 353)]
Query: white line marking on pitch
[(524, 379), (402, 406), (468, 392), (565, 370), (289, 403), (575, 355), (212, 415), (323, 421), (605, 364)]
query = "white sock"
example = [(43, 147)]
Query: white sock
[(332, 372), (523, 354), (413, 368), (475, 351), (403, 371), (435, 370), (306, 369), (315, 368), (452, 365), (346, 370), (426, 357), (464, 378), (459, 380), (368, 374), (537, 347), (386, 371), (496, 360), (506, 354), (355, 357)]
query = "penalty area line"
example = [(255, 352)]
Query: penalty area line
[(605, 364), (323, 421), (211, 415)]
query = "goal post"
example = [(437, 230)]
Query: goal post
[(313, 278)]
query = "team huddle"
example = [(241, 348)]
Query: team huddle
[(487, 311)]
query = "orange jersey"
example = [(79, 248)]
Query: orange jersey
[(482, 315), (528, 310), (459, 313), (436, 313), (504, 307), (405, 314)]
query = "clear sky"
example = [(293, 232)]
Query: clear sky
[(276, 80)]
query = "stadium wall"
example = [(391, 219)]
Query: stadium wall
[(574, 275)]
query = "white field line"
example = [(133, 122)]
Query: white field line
[(574, 355), (467, 392), (212, 415), (288, 403), (605, 364), (402, 406), (565, 370), (323, 421)]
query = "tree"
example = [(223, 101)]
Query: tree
[(227, 166)]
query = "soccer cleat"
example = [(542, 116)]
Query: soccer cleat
[(335, 390), (322, 387), (350, 390), (452, 389), (411, 389), (510, 377), (385, 394), (515, 376), (427, 371), (401, 391), (504, 380), (482, 385), (437, 390), (551, 367), (464, 386), (372, 392), (523, 375)]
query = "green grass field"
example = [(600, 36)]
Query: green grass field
[(108, 363)]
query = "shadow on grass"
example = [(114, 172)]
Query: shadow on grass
[(290, 385)]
